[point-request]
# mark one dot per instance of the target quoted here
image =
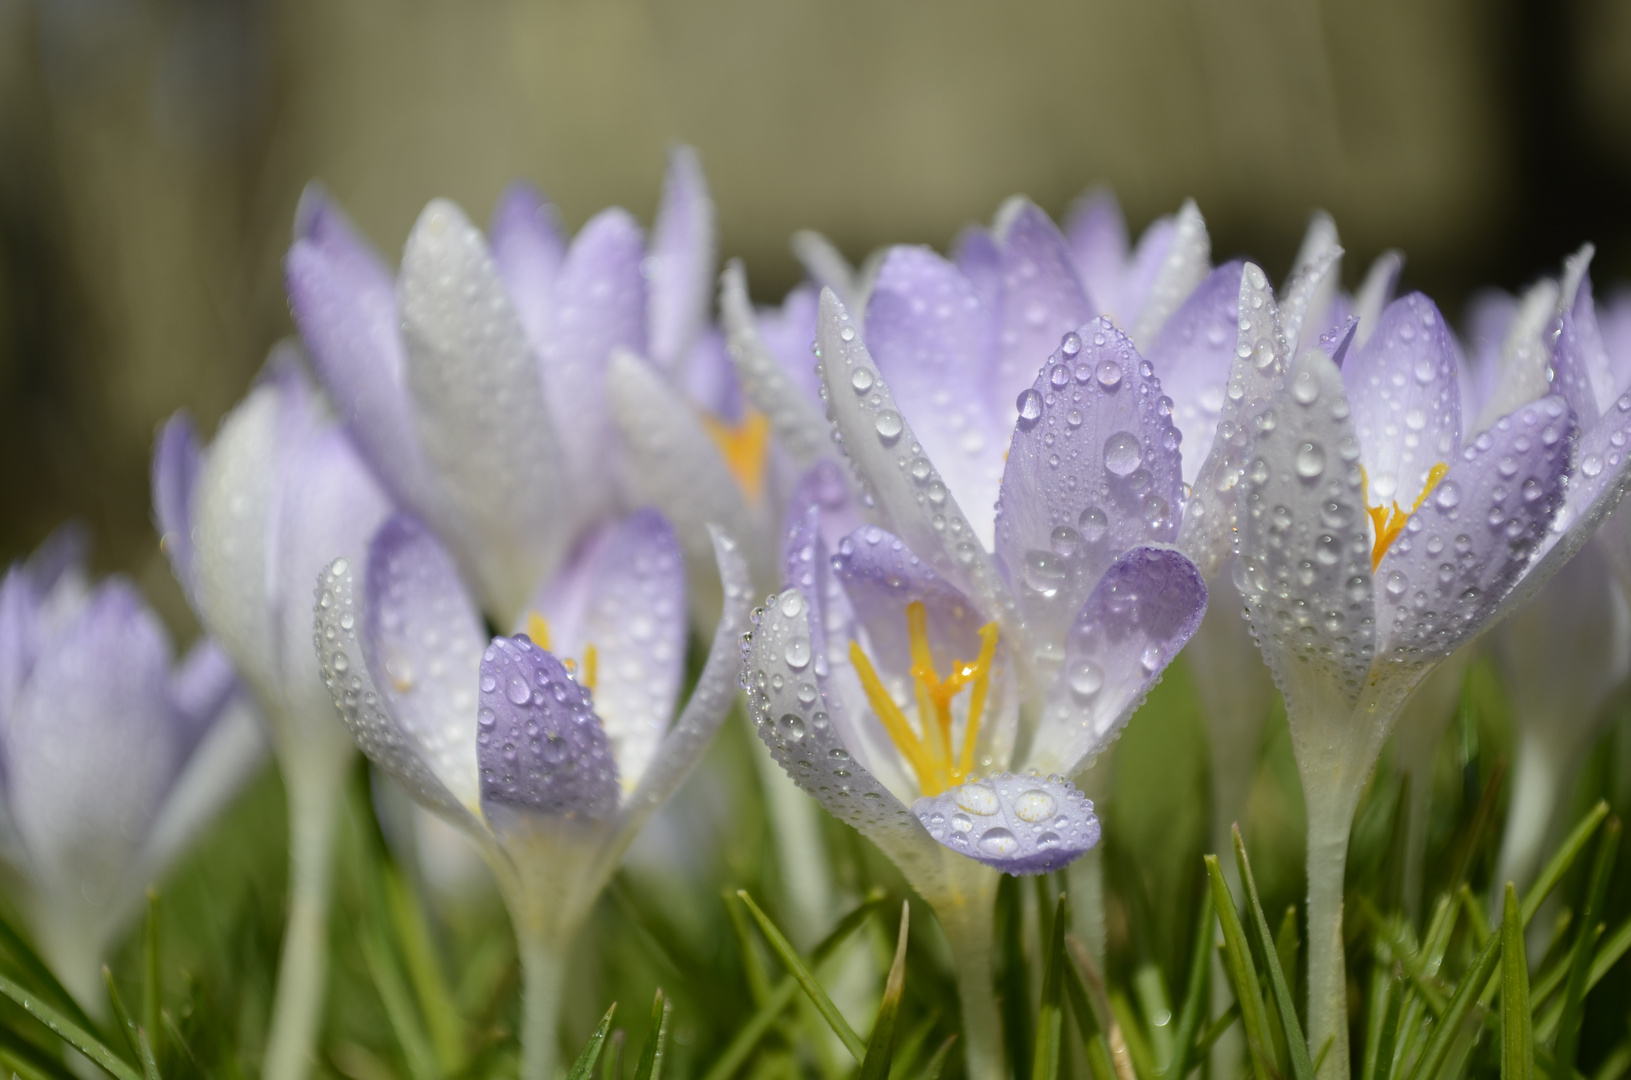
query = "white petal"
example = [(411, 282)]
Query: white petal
[(890, 464), (796, 420), (1522, 371), (1319, 240), (231, 752), (1376, 292), (480, 408), (828, 268), (682, 259), (1186, 265)]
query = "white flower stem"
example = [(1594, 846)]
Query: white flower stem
[(1329, 821), (543, 977), (967, 920), (315, 792)]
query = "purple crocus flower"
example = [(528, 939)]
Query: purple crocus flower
[(1377, 532), (248, 525), (934, 675), (550, 747), (114, 756), (480, 383)]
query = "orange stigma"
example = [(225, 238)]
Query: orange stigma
[(1390, 522), (744, 446)]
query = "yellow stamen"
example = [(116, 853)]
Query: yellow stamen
[(538, 631), (1390, 522), (930, 753), (744, 447)]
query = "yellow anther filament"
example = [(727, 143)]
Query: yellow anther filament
[(929, 751), (1390, 522), (538, 631), (744, 447)]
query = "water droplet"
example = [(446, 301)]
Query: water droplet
[(792, 727), (797, 653), (1085, 677), (517, 690), (488, 684), (1397, 583), (977, 799), (1065, 540), (1305, 388), (1029, 405), (998, 841), (888, 424), (1093, 524), (1109, 374), (792, 604), (1071, 344), (1447, 496), (1035, 805), (1059, 377), (341, 567), (1310, 460), (1121, 453), (847, 333), (1044, 572), (1591, 465), (862, 379)]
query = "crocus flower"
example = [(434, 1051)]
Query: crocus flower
[(550, 747), (933, 677), (1373, 543), (114, 755), (248, 526), (476, 380)]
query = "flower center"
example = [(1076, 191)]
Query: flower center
[(930, 752), (1390, 522), (744, 447), (538, 631)]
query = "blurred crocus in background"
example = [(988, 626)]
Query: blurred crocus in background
[(550, 748), (251, 520), (115, 754)]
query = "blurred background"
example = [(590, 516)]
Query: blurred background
[(152, 153)]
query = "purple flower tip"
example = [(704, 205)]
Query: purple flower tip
[(1016, 824)]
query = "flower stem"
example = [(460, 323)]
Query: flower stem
[(543, 974), (967, 920), (1327, 971), (1535, 787), (315, 792)]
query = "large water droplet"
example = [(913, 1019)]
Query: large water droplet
[(1035, 805), (862, 379), (1310, 460), (1044, 572), (1447, 496), (1065, 540), (1121, 453), (977, 799), (1109, 374), (797, 653), (998, 841), (1085, 677), (517, 690), (888, 424), (1093, 524), (1029, 405)]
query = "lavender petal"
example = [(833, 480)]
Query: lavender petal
[(1016, 824)]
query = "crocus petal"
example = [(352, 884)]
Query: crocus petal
[(422, 639), (1144, 265), (1376, 292), (1406, 401), (889, 463), (820, 515), (1462, 551), (674, 466), (528, 250), (92, 746), (1093, 469), (1142, 611), (1306, 285), (979, 259), (540, 744), (711, 698), (802, 737), (1305, 551), (1042, 299), (1521, 372), (1016, 824), (682, 259), (175, 472), (1582, 370), (201, 687), (599, 307), (1186, 264), (338, 625), (1256, 373), (1337, 341), (881, 577), (1192, 355), (1097, 234), (767, 379), (932, 340), (789, 333), (480, 407), (344, 302), (1319, 240), (828, 268), (19, 642), (635, 618)]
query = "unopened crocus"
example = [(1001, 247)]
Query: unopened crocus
[(248, 525), (550, 747), (1375, 538), (934, 676), (115, 755)]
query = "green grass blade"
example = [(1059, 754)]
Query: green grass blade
[(121, 1015), (1466, 849), (1215, 1031), (880, 1048), (394, 995), (1013, 975), (150, 1065), (1517, 1030), (68, 1031), (1388, 1041), (753, 967), (1383, 1005), (1193, 1008), (1475, 915), (652, 1053), (424, 969), (1302, 1068), (584, 1067), (1237, 957), (1574, 992), (45, 981), (909, 1047), (1466, 992), (796, 967), (152, 988), (936, 1064), (1615, 1063), (1050, 1015), (1563, 860), (1126, 1026)]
